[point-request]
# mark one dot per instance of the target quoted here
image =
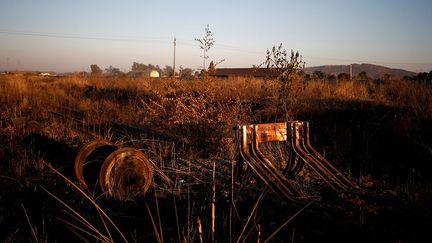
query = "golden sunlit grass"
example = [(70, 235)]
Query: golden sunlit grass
[(194, 115), (210, 101), (199, 113)]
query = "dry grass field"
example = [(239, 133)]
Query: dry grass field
[(378, 134)]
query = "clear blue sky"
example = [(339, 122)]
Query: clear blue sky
[(66, 35)]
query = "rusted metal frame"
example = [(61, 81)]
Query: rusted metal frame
[(279, 136), (246, 174), (276, 132), (259, 169), (337, 173), (349, 185), (244, 153), (298, 165), (267, 167), (279, 181), (290, 163), (324, 170), (239, 175), (272, 181), (251, 162), (271, 132), (292, 158), (299, 162), (282, 180), (306, 158)]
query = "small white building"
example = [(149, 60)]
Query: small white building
[(154, 74)]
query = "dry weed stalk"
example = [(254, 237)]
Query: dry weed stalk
[(32, 230), (155, 228), (213, 215), (252, 213), (81, 219), (200, 230), (288, 71), (88, 196), (286, 222)]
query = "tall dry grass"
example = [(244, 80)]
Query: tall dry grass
[(198, 113), (194, 111)]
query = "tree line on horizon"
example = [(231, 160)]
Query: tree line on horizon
[(143, 70), (140, 69), (277, 59)]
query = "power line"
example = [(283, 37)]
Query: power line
[(80, 37), (368, 61), (186, 42), (147, 39)]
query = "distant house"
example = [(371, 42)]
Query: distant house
[(144, 74), (154, 74), (245, 72), (46, 74)]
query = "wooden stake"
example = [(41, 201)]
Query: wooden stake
[(214, 201), (259, 234), (200, 230)]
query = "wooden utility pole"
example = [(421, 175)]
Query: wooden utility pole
[(351, 73), (204, 67), (174, 64)]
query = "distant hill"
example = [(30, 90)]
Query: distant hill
[(373, 71)]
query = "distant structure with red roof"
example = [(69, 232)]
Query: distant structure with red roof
[(245, 72)]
